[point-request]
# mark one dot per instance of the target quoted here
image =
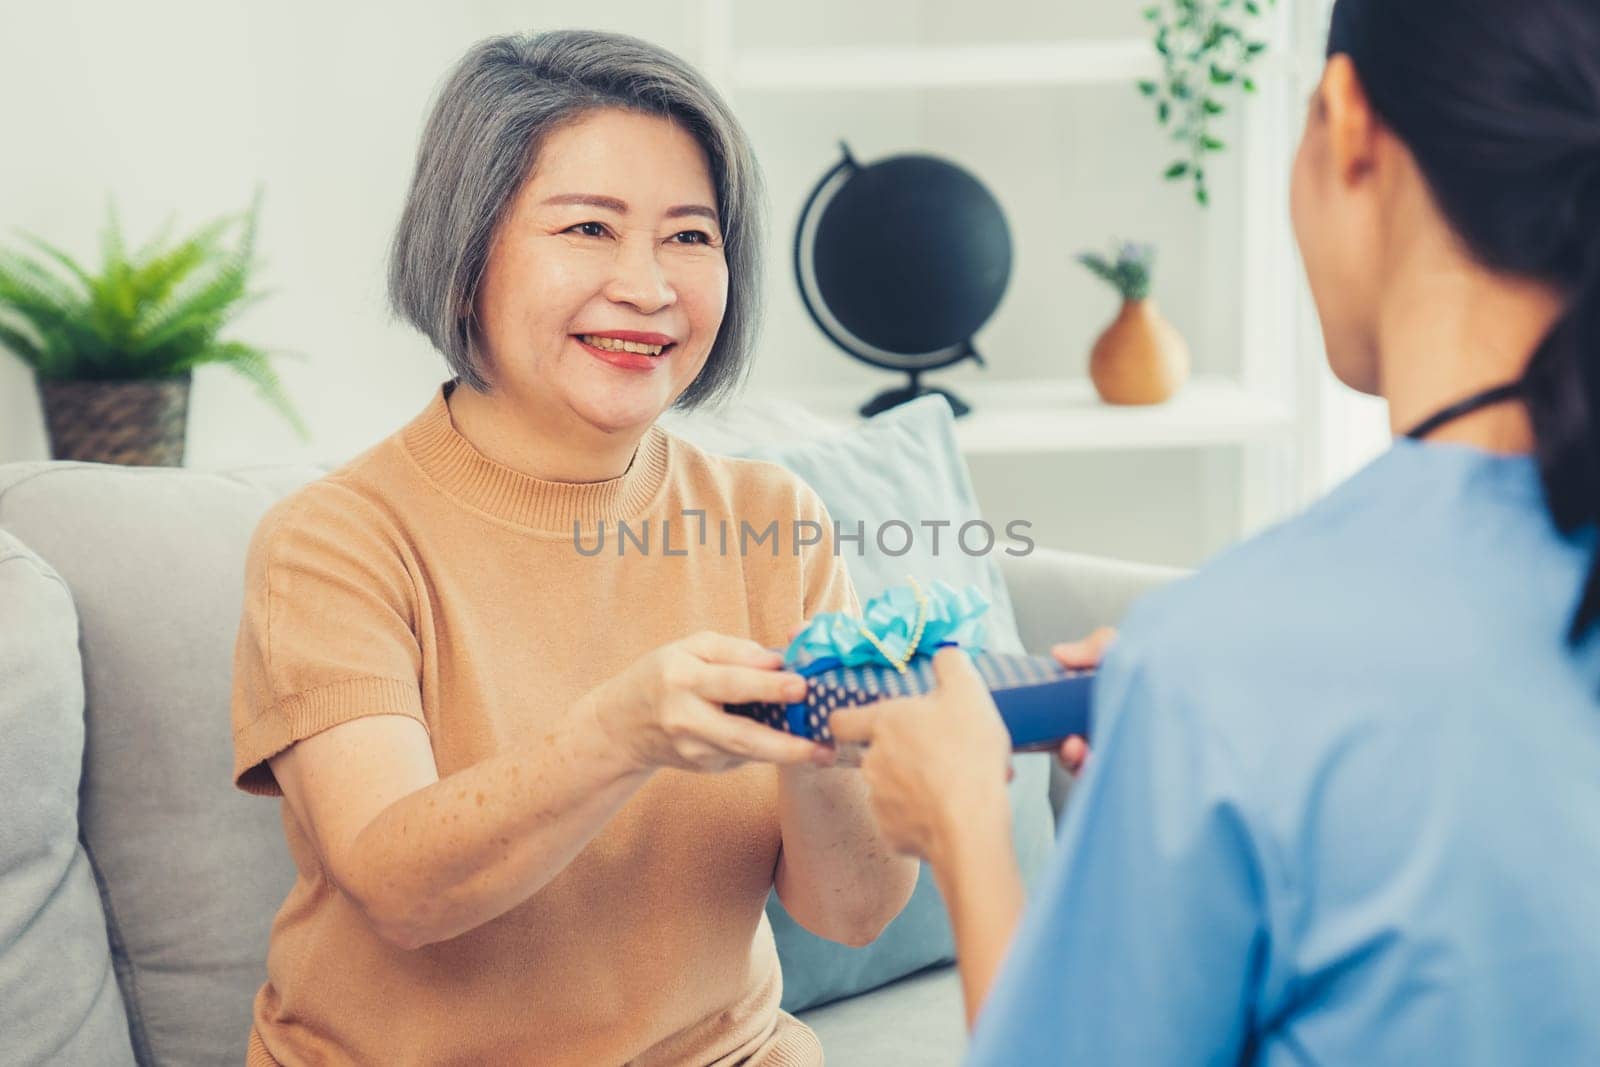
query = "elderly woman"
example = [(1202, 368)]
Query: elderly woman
[(496, 751)]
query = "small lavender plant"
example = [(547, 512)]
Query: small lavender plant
[(1128, 269)]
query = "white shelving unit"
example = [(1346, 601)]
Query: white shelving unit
[(1020, 417), (1267, 416), (938, 67)]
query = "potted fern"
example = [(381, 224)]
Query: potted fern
[(112, 351), (1141, 358)]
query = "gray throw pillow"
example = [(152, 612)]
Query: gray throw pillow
[(904, 466), (59, 1001)]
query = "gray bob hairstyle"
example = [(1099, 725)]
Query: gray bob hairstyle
[(500, 103)]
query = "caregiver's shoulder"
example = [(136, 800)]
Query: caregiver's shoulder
[(1324, 583)]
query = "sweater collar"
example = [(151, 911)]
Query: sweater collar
[(468, 475)]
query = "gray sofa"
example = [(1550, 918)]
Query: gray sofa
[(136, 885)]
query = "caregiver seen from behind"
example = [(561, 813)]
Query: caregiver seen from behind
[(1344, 799)]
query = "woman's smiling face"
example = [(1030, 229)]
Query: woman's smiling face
[(614, 238)]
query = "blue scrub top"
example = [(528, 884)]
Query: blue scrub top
[(1344, 802)]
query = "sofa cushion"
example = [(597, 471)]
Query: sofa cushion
[(918, 1020), (155, 561), (59, 1001), (191, 870), (904, 466)]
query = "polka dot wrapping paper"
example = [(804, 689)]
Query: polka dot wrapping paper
[(1041, 702)]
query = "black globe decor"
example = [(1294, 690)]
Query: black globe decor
[(900, 263)]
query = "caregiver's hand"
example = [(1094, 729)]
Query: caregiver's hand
[(665, 710), (937, 763), (937, 772), (1081, 655)]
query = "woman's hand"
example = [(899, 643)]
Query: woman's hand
[(665, 710), (937, 763), (1081, 655)]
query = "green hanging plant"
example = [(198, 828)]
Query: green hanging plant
[(1205, 53), (157, 312)]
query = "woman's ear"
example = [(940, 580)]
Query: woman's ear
[(1352, 127)]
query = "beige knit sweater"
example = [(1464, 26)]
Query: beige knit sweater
[(425, 579)]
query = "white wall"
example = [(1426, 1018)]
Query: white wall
[(184, 106)]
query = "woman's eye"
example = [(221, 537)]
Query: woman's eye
[(598, 229)]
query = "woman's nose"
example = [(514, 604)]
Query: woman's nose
[(639, 281)]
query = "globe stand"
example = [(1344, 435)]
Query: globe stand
[(893, 398)]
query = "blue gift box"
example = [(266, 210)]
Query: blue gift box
[(1041, 702)]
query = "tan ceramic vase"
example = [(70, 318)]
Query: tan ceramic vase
[(1141, 358)]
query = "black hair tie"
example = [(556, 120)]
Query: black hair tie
[(1489, 397)]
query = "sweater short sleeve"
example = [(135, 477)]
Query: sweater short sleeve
[(327, 632)]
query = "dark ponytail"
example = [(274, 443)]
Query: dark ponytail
[(1499, 102), (1562, 387)]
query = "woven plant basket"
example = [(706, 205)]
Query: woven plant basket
[(137, 423)]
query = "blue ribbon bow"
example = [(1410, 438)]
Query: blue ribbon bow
[(946, 616)]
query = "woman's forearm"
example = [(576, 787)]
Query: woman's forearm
[(977, 875), (836, 874), (468, 848)]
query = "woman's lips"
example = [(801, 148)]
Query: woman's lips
[(626, 360)]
